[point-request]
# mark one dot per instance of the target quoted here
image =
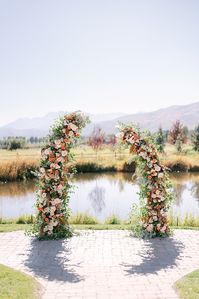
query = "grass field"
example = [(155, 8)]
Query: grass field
[(15, 285), (20, 164), (188, 286)]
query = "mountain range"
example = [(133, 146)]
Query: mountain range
[(39, 126)]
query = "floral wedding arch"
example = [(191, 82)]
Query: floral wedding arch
[(54, 188), (155, 187), (54, 173)]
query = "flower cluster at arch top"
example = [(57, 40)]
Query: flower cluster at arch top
[(54, 172), (155, 188)]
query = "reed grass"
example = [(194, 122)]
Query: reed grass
[(18, 170), (23, 164), (188, 220)]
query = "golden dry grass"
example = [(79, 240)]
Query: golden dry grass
[(17, 169), (19, 164)]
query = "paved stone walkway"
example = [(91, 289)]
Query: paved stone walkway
[(103, 264)]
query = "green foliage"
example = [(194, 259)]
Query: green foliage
[(178, 145), (160, 140), (13, 143), (82, 218), (113, 219), (195, 138), (25, 219)]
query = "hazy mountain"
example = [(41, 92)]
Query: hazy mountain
[(187, 114), (39, 126)]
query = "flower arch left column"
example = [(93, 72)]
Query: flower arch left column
[(53, 185)]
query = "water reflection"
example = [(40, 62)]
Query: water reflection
[(16, 189), (195, 191), (178, 191), (97, 196), (101, 195)]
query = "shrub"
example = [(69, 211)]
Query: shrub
[(129, 167), (25, 219), (195, 138), (113, 220), (82, 218)]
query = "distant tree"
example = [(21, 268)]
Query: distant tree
[(160, 140), (177, 132), (186, 131), (178, 145), (16, 143), (195, 138), (166, 134), (112, 140), (32, 139), (96, 139)]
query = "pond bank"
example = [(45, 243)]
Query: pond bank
[(24, 169)]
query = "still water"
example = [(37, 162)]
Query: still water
[(101, 195)]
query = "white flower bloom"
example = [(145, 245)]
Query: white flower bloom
[(149, 228), (157, 168), (59, 159), (47, 151), (73, 127), (43, 195), (160, 175), (46, 228), (56, 201), (64, 153), (163, 229), (131, 140), (120, 135), (42, 170), (71, 134), (60, 187), (52, 210), (47, 210), (55, 223), (58, 143)]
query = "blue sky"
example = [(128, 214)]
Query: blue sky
[(97, 56)]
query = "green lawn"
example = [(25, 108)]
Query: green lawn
[(15, 285), (16, 227), (13, 227), (188, 286)]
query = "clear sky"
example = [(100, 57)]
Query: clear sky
[(97, 55)]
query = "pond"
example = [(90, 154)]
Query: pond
[(101, 195)]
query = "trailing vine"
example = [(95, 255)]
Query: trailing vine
[(155, 188), (54, 173)]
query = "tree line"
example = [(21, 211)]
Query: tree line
[(178, 135)]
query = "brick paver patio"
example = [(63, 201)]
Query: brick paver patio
[(103, 264)]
